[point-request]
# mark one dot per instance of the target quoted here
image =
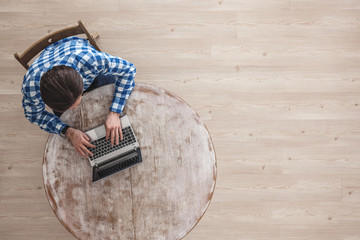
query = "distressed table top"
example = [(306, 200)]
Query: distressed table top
[(162, 198)]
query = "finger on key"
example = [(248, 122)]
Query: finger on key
[(79, 150), (117, 137), (112, 137), (121, 134), (86, 151), (89, 144)]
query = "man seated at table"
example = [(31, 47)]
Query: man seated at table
[(59, 77)]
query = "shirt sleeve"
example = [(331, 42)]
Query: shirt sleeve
[(35, 112), (124, 72)]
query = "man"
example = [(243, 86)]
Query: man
[(58, 78)]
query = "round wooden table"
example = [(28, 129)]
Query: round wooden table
[(164, 197)]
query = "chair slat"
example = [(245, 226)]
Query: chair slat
[(46, 41)]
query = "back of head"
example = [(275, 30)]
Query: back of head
[(60, 87)]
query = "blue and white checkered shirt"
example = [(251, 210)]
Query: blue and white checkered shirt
[(79, 54)]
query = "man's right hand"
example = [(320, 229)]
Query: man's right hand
[(79, 140)]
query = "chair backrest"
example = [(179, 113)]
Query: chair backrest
[(38, 46)]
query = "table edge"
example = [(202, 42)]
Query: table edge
[(215, 167)]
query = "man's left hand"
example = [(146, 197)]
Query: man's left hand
[(113, 128)]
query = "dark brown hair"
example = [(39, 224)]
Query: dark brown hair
[(60, 87)]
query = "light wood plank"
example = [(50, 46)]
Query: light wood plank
[(277, 83)]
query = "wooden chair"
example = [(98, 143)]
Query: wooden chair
[(38, 46)]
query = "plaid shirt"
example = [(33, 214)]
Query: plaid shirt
[(79, 54)]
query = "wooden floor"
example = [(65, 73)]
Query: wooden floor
[(277, 82)]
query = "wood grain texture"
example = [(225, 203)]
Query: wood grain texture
[(277, 83), (162, 198)]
